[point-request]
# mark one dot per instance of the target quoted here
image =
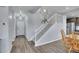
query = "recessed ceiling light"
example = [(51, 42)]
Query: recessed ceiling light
[(44, 10), (10, 16)]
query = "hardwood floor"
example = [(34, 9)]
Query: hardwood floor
[(21, 45)]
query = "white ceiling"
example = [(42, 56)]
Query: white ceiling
[(30, 9), (64, 10), (70, 11)]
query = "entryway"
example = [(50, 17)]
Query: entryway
[(20, 27)]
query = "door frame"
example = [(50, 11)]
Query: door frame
[(16, 20)]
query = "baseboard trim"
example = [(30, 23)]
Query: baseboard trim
[(46, 42), (10, 49), (28, 38)]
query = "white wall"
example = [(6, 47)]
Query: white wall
[(33, 22), (12, 28), (4, 30)]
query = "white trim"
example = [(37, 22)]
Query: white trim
[(10, 49), (29, 39), (36, 45)]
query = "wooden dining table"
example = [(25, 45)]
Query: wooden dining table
[(75, 36)]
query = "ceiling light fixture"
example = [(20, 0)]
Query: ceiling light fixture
[(10, 16), (44, 10)]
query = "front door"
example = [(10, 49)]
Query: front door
[(20, 27)]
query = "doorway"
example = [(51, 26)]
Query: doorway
[(20, 27)]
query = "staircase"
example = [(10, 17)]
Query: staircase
[(49, 32), (43, 28)]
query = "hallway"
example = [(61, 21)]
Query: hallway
[(21, 45)]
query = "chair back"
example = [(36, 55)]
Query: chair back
[(62, 34)]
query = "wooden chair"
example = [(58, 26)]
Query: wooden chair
[(70, 42)]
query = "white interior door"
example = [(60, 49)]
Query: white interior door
[(20, 27)]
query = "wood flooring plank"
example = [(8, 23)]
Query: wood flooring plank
[(21, 45)]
